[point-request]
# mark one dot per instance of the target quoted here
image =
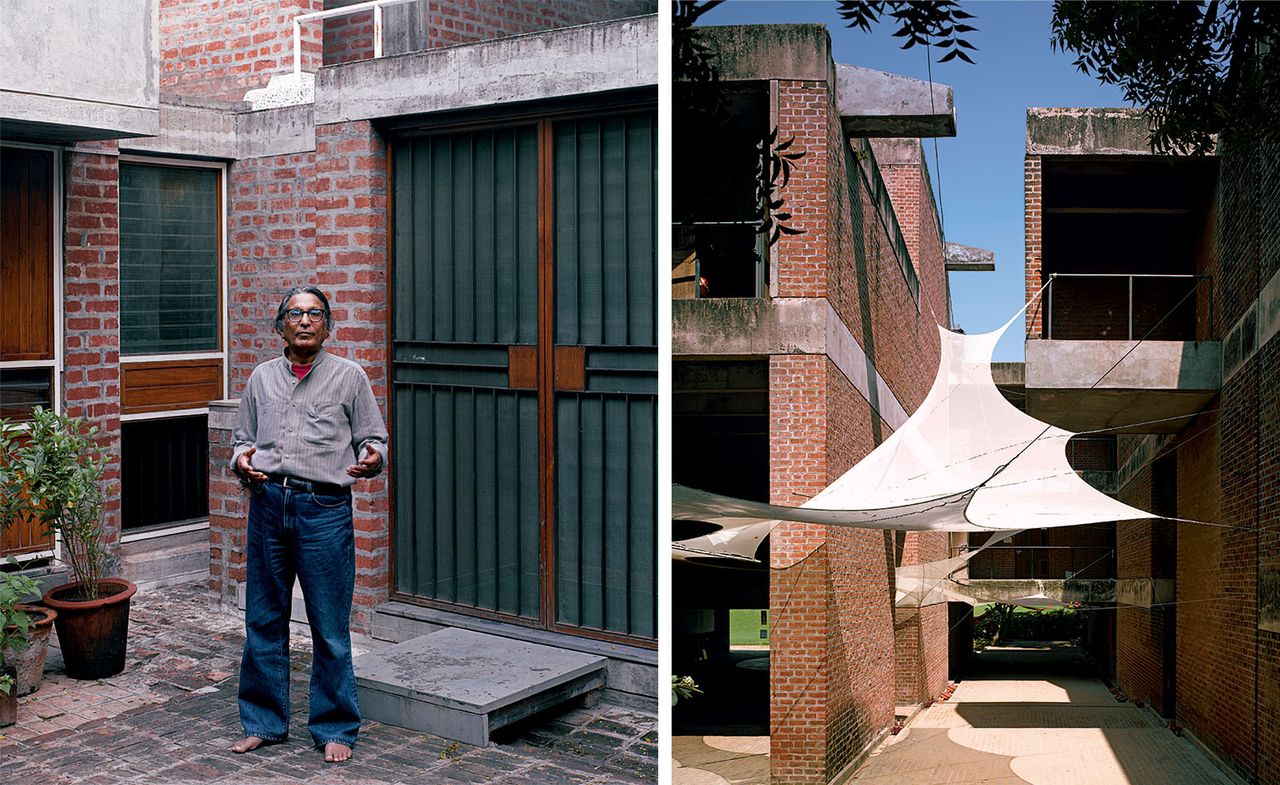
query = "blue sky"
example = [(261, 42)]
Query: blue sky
[(981, 167)]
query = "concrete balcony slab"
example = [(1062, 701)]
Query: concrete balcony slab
[(1122, 385)]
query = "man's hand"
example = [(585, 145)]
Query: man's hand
[(244, 466), (368, 465)]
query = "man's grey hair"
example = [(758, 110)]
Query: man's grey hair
[(289, 295)]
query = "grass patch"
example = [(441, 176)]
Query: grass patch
[(748, 628)]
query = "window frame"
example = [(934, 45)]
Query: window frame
[(160, 360), (55, 365)]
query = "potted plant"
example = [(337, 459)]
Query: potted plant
[(24, 631), (58, 468)]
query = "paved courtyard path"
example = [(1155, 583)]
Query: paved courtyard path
[(170, 717), (1025, 715)]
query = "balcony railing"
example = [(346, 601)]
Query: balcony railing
[(1014, 562), (1127, 306)]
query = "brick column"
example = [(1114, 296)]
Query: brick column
[(797, 591), (351, 254), (801, 259), (91, 306), (1032, 230)]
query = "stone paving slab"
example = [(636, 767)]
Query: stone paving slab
[(171, 716)]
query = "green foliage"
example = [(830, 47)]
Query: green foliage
[(1003, 622), (683, 688), (1197, 68), (931, 23), (55, 475), (15, 624)]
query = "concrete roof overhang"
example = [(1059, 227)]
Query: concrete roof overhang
[(876, 103)]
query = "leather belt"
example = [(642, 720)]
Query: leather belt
[(307, 486)]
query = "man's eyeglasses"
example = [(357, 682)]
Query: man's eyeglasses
[(294, 315)]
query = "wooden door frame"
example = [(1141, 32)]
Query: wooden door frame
[(56, 228), (543, 119)]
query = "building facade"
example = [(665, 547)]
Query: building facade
[(479, 202), (791, 361), (1160, 327)]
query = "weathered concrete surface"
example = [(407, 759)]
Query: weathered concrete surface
[(461, 684), (563, 63), (966, 258), (632, 671), (791, 325), (1087, 131), (79, 71), (1009, 374), (228, 131), (1069, 384), (876, 103), (190, 130), (800, 52)]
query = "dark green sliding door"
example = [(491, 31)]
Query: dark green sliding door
[(524, 373)]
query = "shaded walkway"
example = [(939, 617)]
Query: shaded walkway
[(1029, 715)]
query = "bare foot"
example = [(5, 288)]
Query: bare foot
[(249, 743), (336, 752)]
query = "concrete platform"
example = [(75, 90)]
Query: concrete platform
[(463, 685)]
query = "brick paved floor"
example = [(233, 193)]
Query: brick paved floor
[(170, 717), (1024, 716)]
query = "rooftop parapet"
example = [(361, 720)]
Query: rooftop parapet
[(1087, 131)]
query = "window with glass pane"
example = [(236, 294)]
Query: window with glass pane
[(164, 471), (169, 259), (23, 389)]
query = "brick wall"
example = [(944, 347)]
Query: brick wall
[(91, 305), (1031, 241), (833, 652), (221, 49), (315, 218), (452, 22), (351, 253)]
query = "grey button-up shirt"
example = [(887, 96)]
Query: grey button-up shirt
[(311, 429)]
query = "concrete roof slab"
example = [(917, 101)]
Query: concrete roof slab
[(595, 58), (876, 103)]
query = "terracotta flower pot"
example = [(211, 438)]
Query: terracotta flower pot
[(93, 634), (30, 661), (8, 703)]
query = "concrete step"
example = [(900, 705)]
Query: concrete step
[(463, 685), (166, 560)]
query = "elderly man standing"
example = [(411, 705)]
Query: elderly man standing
[(309, 427)]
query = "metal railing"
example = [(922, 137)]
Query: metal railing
[(1191, 297), (376, 5), (1029, 561)]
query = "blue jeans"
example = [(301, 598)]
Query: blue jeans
[(311, 536)]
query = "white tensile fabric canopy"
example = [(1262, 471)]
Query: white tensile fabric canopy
[(967, 460)]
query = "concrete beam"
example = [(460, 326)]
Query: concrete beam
[(1087, 131), (876, 103), (799, 52), (79, 71), (966, 258), (590, 59), (1069, 384), (750, 327), (227, 132)]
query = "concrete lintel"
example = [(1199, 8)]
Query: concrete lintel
[(212, 132), (190, 130), (877, 103), (1087, 131), (794, 52), (589, 59), (282, 131), (51, 119), (787, 325), (966, 258)]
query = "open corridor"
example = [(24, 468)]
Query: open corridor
[(1025, 715)]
